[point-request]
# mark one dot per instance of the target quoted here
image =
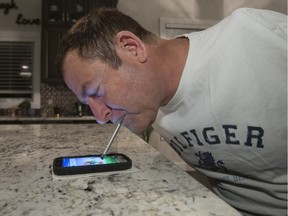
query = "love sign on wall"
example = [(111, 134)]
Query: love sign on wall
[(20, 19)]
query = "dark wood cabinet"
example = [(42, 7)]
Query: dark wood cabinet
[(50, 40), (57, 17), (63, 12)]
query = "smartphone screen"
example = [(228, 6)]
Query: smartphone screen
[(71, 165), (92, 160)]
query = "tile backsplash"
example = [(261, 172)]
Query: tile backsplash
[(55, 101), (57, 96)]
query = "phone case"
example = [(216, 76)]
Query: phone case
[(59, 170)]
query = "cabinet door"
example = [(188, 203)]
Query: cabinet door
[(51, 37), (54, 12), (58, 16), (75, 9)]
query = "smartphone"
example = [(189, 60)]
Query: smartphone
[(90, 164)]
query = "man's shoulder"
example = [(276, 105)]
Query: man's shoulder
[(272, 21), (265, 17), (256, 12)]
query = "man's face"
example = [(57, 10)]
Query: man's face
[(111, 93)]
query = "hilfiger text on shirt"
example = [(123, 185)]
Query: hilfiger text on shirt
[(208, 136)]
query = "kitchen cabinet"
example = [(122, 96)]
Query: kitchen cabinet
[(62, 13), (50, 39), (57, 17)]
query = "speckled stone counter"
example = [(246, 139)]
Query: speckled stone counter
[(158, 187), (47, 120)]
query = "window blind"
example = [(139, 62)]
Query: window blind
[(16, 69)]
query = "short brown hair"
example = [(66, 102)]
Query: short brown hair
[(94, 36)]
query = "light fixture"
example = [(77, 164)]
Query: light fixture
[(25, 71)]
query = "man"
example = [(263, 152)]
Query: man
[(218, 96)]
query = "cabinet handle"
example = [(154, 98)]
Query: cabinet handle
[(63, 16)]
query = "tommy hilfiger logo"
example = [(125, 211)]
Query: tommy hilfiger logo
[(252, 137), (207, 161)]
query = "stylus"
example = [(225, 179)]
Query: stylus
[(113, 137)]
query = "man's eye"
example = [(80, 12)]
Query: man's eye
[(92, 92), (97, 92)]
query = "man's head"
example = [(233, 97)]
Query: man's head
[(104, 60), (93, 36)]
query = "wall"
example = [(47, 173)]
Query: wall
[(30, 9)]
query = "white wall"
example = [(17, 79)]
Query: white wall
[(147, 12)]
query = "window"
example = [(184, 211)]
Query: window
[(19, 68), (16, 69)]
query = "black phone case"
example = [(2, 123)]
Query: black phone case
[(59, 170)]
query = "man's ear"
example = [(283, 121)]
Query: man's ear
[(128, 42)]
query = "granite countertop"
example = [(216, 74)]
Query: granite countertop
[(47, 120), (157, 187)]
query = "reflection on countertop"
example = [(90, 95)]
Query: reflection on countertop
[(157, 187)]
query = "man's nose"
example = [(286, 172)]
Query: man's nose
[(101, 112)]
